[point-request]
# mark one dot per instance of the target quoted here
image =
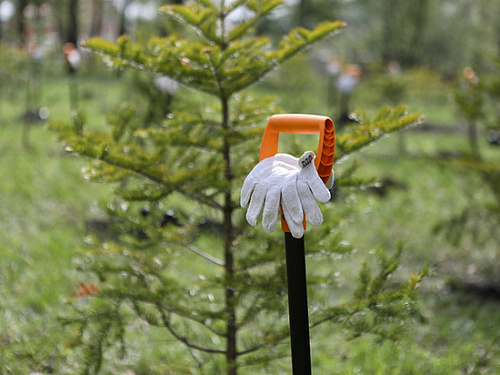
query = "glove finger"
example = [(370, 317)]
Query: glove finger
[(296, 228), (319, 190), (257, 173), (290, 199), (246, 191), (271, 207), (309, 205), (307, 158), (256, 203), (289, 217)]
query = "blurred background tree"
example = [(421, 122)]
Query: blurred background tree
[(413, 33), (476, 225)]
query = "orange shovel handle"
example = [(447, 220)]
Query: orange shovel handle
[(301, 124)]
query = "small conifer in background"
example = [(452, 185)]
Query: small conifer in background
[(478, 171), (182, 259)]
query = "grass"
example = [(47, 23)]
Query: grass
[(44, 202)]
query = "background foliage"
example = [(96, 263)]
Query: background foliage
[(43, 223)]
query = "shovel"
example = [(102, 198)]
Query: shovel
[(295, 251)]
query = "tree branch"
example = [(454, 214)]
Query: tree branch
[(201, 198), (184, 340), (191, 318), (277, 342), (201, 253)]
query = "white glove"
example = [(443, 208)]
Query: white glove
[(264, 185), (299, 198), (294, 182)]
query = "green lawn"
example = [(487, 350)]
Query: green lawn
[(44, 202)]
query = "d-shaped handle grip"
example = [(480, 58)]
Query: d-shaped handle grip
[(301, 124)]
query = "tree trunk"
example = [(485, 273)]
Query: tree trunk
[(97, 12), (497, 32), (58, 14), (122, 27), (21, 25), (72, 29), (419, 14), (388, 19), (1, 23), (473, 139), (303, 10), (231, 328)]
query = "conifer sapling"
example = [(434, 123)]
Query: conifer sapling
[(218, 297)]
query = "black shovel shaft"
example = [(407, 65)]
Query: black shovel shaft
[(297, 305)]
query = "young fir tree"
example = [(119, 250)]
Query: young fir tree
[(221, 295), (478, 100)]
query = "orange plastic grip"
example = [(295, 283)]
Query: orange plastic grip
[(301, 124)]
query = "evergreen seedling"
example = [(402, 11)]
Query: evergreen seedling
[(477, 101), (221, 295)]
